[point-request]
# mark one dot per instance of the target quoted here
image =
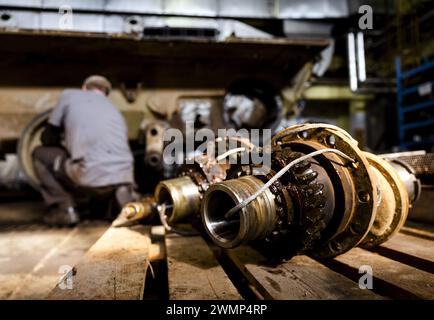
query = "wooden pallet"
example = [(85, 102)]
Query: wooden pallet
[(116, 268)]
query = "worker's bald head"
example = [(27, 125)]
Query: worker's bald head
[(97, 82)]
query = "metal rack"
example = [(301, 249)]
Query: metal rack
[(403, 108)]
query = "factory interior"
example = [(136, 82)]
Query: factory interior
[(216, 150)]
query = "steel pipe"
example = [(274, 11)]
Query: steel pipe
[(253, 222), (181, 197)]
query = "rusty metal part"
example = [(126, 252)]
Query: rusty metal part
[(205, 171), (312, 199), (182, 194), (392, 208), (334, 205), (254, 221), (354, 188)]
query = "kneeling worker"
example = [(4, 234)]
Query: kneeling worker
[(96, 156)]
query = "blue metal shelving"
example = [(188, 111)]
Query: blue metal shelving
[(403, 110)]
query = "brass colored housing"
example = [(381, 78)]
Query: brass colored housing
[(181, 195)]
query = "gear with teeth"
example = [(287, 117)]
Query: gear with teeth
[(305, 221)]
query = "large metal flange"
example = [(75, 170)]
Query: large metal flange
[(393, 205), (360, 190)]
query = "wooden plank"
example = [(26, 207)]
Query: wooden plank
[(397, 279), (415, 246), (299, 278), (417, 229), (414, 251), (113, 269), (157, 249), (67, 251), (156, 285), (193, 271)]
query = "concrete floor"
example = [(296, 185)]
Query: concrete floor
[(32, 255)]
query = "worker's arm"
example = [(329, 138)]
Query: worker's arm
[(52, 134)]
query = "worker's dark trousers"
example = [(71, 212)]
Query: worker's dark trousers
[(49, 164), (58, 189)]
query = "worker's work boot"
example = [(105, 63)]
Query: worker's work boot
[(62, 217)]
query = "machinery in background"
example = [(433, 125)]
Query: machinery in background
[(193, 112), (252, 104), (419, 162), (322, 197), (152, 132), (415, 106), (150, 56)]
